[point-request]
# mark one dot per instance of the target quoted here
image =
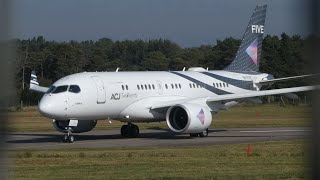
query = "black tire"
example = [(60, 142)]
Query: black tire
[(204, 133), (194, 134), (71, 139), (65, 138), (134, 131), (124, 131)]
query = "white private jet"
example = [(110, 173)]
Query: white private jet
[(185, 99)]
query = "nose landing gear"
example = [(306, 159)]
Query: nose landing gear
[(130, 130), (68, 137)]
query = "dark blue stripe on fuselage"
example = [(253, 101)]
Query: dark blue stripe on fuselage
[(204, 85), (235, 82)]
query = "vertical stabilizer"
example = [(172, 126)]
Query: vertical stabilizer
[(249, 53)]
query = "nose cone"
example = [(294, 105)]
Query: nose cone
[(46, 108), (50, 108)]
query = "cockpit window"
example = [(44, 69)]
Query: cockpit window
[(60, 89), (50, 89), (74, 89)]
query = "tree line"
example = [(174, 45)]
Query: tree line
[(282, 56)]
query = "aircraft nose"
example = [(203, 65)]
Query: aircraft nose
[(45, 108)]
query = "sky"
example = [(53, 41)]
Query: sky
[(189, 23)]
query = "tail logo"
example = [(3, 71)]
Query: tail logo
[(33, 79), (252, 51), (201, 116), (258, 29)]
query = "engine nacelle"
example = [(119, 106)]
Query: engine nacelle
[(188, 118), (83, 126)]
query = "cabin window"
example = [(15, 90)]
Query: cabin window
[(190, 85), (149, 86), (74, 89), (153, 86), (172, 86), (224, 84), (176, 86), (227, 85), (213, 85), (138, 87), (166, 86), (127, 87), (180, 86), (217, 84), (60, 89), (146, 87), (194, 85), (142, 87), (122, 87), (220, 85)]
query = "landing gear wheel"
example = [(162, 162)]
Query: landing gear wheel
[(134, 131), (204, 133), (124, 131), (68, 138), (194, 134), (130, 130), (71, 139), (65, 138)]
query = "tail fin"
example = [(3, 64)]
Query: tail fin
[(33, 79), (249, 53), (34, 85)]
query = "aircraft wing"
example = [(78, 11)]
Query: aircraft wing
[(262, 82), (34, 85), (229, 97), (167, 104)]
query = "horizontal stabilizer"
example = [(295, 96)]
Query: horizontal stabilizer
[(270, 81)]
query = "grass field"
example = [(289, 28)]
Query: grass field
[(269, 160), (29, 119)]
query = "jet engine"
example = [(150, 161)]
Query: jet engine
[(82, 126), (188, 118)]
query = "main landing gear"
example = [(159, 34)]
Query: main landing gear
[(68, 137), (202, 134), (130, 130)]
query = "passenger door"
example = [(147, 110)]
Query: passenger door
[(160, 88), (101, 93)]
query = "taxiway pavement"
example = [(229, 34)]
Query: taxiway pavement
[(152, 138)]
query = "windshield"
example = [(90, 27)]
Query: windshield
[(74, 89), (50, 89), (60, 89)]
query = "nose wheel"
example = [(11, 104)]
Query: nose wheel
[(130, 130), (68, 137)]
